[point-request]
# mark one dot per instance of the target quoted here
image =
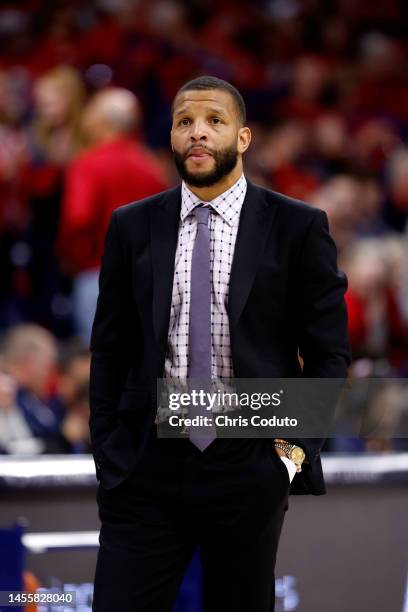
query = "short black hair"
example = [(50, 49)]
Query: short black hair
[(206, 82)]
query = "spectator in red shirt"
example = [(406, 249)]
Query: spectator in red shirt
[(116, 169)]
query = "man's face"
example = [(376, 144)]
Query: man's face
[(205, 136)]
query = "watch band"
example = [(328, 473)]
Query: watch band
[(286, 447)]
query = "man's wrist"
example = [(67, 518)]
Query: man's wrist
[(306, 459)]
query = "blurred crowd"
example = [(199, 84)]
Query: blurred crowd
[(85, 95)]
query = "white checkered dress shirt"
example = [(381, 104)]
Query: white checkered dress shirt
[(223, 224)]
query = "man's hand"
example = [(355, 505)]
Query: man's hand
[(290, 465)]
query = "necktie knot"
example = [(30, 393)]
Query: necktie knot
[(202, 214)]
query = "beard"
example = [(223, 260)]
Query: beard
[(225, 161)]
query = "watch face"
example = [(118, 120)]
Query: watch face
[(297, 455)]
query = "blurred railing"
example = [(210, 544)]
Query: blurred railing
[(58, 470)]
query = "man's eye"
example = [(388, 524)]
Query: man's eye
[(215, 120), (184, 121)]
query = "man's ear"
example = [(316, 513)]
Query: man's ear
[(244, 139)]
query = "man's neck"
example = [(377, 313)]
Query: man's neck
[(207, 194)]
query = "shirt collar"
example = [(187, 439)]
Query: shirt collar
[(227, 204)]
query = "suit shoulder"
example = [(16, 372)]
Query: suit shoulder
[(291, 207)]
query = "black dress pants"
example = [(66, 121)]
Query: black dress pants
[(230, 500)]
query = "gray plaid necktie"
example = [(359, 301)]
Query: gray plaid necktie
[(199, 361)]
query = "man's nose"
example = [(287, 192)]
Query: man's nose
[(198, 131)]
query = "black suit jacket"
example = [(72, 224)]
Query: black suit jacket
[(286, 296)]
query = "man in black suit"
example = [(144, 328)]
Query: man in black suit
[(274, 293)]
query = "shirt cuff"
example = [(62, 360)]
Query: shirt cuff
[(290, 466)]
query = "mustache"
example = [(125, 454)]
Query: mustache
[(200, 147)]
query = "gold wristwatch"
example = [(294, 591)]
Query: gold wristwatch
[(292, 452)]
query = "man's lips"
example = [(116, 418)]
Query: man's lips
[(199, 154)]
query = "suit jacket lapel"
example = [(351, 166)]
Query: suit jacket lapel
[(164, 219), (255, 222)]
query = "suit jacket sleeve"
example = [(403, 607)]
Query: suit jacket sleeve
[(112, 336), (322, 325)]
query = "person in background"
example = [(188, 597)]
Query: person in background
[(379, 341), (376, 325), (116, 169), (28, 365), (54, 139), (13, 214), (59, 97), (16, 436), (73, 397), (339, 198)]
